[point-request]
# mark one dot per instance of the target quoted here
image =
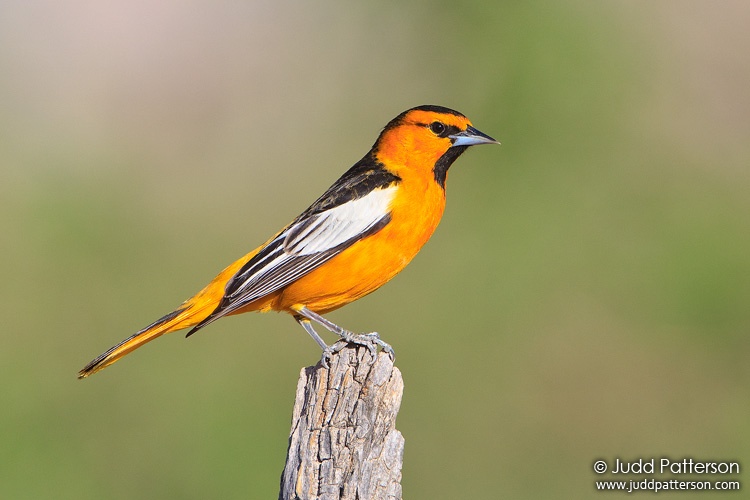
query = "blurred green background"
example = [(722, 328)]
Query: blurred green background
[(586, 296)]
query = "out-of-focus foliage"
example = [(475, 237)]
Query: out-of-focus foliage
[(585, 297)]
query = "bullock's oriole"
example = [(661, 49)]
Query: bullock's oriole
[(361, 233)]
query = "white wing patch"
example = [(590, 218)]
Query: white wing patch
[(307, 244), (329, 229)]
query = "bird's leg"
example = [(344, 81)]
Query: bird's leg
[(328, 351), (366, 339), (309, 329)]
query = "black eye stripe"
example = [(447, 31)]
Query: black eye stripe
[(445, 131)]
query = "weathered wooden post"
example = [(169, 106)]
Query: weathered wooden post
[(343, 443)]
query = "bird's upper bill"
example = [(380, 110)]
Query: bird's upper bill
[(471, 137)]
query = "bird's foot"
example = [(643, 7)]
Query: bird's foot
[(371, 341)]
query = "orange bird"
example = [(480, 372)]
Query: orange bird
[(353, 239)]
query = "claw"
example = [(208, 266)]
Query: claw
[(327, 353), (387, 349), (373, 348), (374, 338)]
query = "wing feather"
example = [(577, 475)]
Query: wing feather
[(307, 243), (311, 241)]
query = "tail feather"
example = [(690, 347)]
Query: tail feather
[(193, 312), (176, 320)]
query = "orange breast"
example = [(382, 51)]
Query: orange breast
[(370, 263)]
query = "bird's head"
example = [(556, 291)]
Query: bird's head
[(427, 137)]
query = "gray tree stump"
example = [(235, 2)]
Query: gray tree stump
[(343, 444)]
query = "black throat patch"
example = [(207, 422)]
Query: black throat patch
[(440, 170)]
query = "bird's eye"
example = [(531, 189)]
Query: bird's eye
[(437, 128)]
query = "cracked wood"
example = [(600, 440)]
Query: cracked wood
[(343, 444)]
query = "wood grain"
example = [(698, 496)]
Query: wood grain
[(343, 444)]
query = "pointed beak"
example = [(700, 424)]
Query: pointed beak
[(471, 137)]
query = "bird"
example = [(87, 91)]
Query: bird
[(354, 238)]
